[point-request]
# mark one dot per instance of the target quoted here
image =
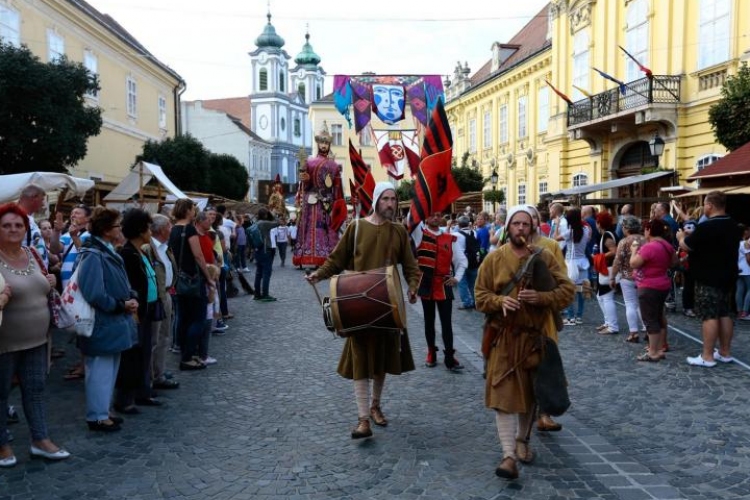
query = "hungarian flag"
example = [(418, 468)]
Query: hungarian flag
[(637, 63), (363, 180), (434, 186), (560, 94)]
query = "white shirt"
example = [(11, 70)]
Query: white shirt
[(564, 231), (282, 234), (459, 256), (742, 260), (161, 251), (230, 225)]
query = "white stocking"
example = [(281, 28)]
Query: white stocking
[(362, 396), (507, 427), (378, 381), (524, 421)]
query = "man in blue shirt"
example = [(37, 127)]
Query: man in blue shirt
[(483, 233)]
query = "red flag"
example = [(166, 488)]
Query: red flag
[(359, 167), (363, 179), (562, 96), (366, 191), (353, 188), (434, 186), (640, 66)]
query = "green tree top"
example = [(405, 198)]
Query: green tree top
[(45, 121), (728, 117)]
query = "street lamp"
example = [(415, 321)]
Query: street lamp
[(493, 181), (657, 147)]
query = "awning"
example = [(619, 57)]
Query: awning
[(615, 183), (734, 164), (741, 190), (12, 185), (705, 190), (138, 177)]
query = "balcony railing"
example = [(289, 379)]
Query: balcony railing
[(638, 93)]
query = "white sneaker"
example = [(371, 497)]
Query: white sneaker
[(209, 361), (699, 361), (723, 359)]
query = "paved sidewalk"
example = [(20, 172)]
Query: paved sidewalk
[(272, 420)]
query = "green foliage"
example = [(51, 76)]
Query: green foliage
[(405, 190), (227, 177), (191, 167), (44, 119), (728, 117), (468, 179), (184, 160), (496, 196)]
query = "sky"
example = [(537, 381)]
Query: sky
[(207, 43)]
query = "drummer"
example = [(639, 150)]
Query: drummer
[(370, 243)]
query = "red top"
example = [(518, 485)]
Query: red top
[(207, 247)]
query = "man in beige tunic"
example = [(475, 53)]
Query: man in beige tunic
[(371, 243), (518, 320)]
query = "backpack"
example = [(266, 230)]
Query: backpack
[(472, 249), (254, 236)]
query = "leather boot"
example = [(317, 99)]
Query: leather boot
[(450, 360), (523, 451), (545, 423), (363, 429), (431, 360), (507, 469), (377, 414)]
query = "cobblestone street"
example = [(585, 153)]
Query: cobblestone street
[(272, 420)]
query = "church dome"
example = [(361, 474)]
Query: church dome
[(307, 57), (269, 38)]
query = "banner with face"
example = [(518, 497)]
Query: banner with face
[(388, 102)]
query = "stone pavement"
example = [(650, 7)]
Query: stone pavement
[(272, 420)]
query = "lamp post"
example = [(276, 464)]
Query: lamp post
[(493, 181), (657, 147)]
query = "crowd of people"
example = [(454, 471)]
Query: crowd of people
[(160, 282)]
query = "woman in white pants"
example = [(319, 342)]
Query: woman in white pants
[(605, 293), (631, 228)]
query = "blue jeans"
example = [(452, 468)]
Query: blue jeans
[(240, 260), (466, 287), (281, 246), (578, 301), (263, 270), (31, 367), (101, 373), (742, 297)]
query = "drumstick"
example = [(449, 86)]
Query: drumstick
[(317, 294)]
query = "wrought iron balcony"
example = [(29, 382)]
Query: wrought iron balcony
[(663, 89)]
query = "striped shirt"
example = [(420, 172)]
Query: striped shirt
[(70, 253)]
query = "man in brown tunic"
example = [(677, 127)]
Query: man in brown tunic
[(367, 244), (518, 319)]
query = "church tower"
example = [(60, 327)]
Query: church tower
[(307, 76)]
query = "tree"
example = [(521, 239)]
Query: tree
[(494, 196), (45, 122), (227, 177), (405, 190), (184, 160), (728, 117)]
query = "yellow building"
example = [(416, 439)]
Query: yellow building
[(139, 95)]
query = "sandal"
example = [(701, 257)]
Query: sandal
[(76, 373), (523, 451), (633, 338), (645, 357)]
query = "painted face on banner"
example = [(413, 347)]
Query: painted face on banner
[(388, 103)]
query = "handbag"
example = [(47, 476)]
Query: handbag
[(572, 265), (59, 317), (550, 383), (600, 263), (189, 286), (156, 311), (82, 312)]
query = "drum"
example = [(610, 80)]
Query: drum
[(366, 300)]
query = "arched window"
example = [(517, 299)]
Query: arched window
[(705, 161), (580, 180), (301, 89), (580, 63), (636, 38), (282, 84), (319, 93), (263, 79)]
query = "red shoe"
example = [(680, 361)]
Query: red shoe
[(431, 361)]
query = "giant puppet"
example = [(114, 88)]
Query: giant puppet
[(322, 209)]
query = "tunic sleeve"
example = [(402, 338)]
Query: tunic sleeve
[(408, 262), (339, 258)]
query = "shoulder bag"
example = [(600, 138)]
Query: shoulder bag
[(188, 286), (600, 262), (59, 316)]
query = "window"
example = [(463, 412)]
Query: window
[(472, 136), (297, 127), (91, 63), (301, 89), (503, 126), (337, 131), (487, 130), (282, 124), (580, 180), (10, 26), (132, 97), (543, 189), (522, 194), (705, 161), (580, 63), (542, 110), (714, 30), (55, 46), (263, 79), (282, 81), (522, 131), (636, 38), (319, 92), (365, 136), (162, 112)]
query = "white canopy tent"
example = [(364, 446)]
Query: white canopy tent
[(12, 185), (137, 178)]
